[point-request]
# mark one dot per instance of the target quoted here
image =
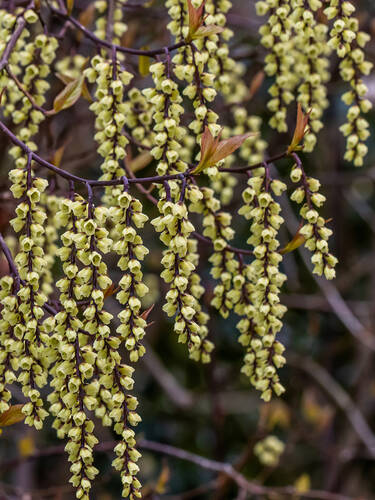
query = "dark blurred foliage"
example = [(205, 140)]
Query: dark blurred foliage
[(211, 410)]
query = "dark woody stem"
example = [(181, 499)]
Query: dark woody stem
[(12, 266), (194, 234), (21, 23), (109, 45), (244, 170), (46, 112), (160, 179)]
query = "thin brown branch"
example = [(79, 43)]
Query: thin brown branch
[(20, 26), (180, 396), (27, 93), (104, 43), (334, 298), (219, 467), (244, 170), (12, 266), (339, 396), (195, 234)]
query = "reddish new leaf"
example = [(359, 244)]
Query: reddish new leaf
[(12, 416), (213, 149), (147, 312), (111, 290), (195, 18), (228, 146), (256, 83), (300, 130), (208, 146)]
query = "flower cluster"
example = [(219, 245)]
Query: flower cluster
[(264, 354), (269, 450), (179, 261), (312, 66), (73, 395), (299, 46), (217, 227), (348, 42), (315, 231), (110, 112), (109, 22), (166, 100), (128, 217), (89, 374), (10, 346), (277, 38), (30, 63), (138, 118), (66, 330), (32, 332)]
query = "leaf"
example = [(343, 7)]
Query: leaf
[(163, 480), (213, 150), (317, 414), (66, 79), (87, 16), (127, 39), (144, 63), (58, 154), (3, 90), (196, 18), (141, 161), (69, 95), (111, 290), (209, 30), (256, 83), (229, 146), (276, 413), (12, 416), (300, 130), (208, 145), (146, 313), (86, 93), (69, 6), (296, 242)]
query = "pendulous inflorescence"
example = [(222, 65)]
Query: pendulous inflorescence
[(299, 45), (186, 116)]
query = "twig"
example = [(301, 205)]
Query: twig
[(114, 182), (67, 175), (221, 467), (244, 170), (109, 45), (110, 20), (27, 93), (341, 398), (337, 303), (21, 23), (196, 235), (176, 393), (12, 266)]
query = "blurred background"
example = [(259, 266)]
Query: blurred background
[(321, 433)]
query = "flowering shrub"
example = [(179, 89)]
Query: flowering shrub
[(60, 333)]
